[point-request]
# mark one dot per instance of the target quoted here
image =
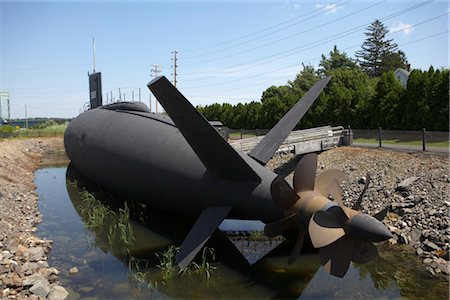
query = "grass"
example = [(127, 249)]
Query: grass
[(237, 135), (444, 144), (167, 264), (55, 130)]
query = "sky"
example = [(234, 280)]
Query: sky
[(227, 51)]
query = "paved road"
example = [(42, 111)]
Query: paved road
[(404, 147)]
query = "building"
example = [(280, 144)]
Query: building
[(402, 75), (4, 107)]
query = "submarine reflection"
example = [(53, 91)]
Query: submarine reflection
[(135, 235)]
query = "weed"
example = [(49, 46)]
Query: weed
[(167, 263)]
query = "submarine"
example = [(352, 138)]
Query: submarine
[(179, 163)]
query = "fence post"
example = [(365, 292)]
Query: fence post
[(424, 139), (379, 136), (241, 133)]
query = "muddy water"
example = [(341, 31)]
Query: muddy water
[(114, 247)]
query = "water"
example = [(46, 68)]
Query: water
[(113, 247)]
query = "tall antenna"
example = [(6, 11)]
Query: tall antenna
[(93, 52)]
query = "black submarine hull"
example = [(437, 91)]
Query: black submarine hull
[(142, 156)]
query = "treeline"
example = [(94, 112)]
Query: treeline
[(350, 99), (362, 94)]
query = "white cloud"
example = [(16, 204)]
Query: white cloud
[(328, 8), (400, 26)]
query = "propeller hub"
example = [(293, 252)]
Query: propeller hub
[(365, 227)]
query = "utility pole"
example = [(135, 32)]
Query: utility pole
[(174, 62), (156, 69), (26, 117)]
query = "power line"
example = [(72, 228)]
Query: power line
[(350, 31), (256, 32), (295, 50), (318, 57), (321, 11)]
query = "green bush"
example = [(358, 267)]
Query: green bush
[(6, 129)]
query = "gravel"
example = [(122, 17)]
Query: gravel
[(24, 271), (414, 186)]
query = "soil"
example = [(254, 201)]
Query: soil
[(24, 271)]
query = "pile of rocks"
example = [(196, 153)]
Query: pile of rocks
[(24, 271), (415, 188)]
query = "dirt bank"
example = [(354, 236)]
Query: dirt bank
[(24, 271)]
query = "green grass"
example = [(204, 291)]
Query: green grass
[(444, 144), (237, 135), (55, 130)]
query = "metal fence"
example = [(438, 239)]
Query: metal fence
[(402, 136)]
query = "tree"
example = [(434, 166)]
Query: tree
[(386, 109), (375, 48), (336, 60), (394, 60)]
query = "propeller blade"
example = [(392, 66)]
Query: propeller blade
[(363, 252), (298, 246), (336, 192), (381, 214), (357, 205), (336, 257), (305, 173), (282, 193), (278, 227), (324, 229), (325, 180)]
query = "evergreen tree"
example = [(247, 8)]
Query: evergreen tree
[(336, 60), (375, 48)]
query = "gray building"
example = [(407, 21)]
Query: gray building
[(402, 75), (4, 106)]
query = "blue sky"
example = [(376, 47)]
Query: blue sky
[(227, 51)]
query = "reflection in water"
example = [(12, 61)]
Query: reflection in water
[(114, 245)]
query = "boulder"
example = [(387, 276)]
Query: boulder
[(41, 288), (57, 293)]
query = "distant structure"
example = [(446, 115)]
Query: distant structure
[(5, 114), (222, 130), (402, 75)]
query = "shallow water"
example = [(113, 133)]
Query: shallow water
[(114, 248)]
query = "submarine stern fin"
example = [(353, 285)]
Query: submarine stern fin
[(206, 224), (211, 148), (265, 149)]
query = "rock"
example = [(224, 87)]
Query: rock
[(405, 184), (430, 245), (362, 180), (37, 254), (415, 235), (419, 251), (32, 279), (427, 261), (57, 293), (432, 212), (442, 265), (41, 288), (73, 270), (403, 239), (86, 289)]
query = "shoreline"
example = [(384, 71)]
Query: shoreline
[(24, 270)]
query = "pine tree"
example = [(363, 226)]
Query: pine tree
[(336, 60), (375, 48)]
